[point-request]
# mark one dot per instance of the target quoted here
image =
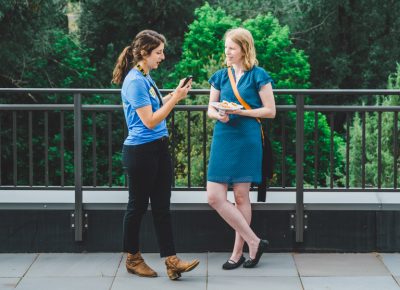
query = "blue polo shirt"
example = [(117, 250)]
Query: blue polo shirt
[(137, 92)]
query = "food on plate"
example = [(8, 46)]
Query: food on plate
[(225, 106), (228, 105)]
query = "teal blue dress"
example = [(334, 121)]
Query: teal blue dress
[(236, 148)]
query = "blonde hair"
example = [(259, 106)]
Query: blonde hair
[(244, 39), (146, 41)]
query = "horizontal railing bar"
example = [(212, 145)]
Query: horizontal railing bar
[(303, 92), (67, 107), (119, 188), (59, 90), (63, 107), (353, 189), (353, 108), (33, 107)]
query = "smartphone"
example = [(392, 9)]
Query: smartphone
[(188, 78)]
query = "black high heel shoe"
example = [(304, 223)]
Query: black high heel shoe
[(250, 263)]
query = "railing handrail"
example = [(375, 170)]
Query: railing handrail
[(98, 107), (206, 91), (299, 107)]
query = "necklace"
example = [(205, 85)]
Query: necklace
[(152, 84)]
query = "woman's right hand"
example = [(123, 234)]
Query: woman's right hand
[(222, 118), (212, 112), (181, 92)]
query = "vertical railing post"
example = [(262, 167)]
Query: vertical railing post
[(78, 214), (299, 168)]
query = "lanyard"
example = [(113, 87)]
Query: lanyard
[(152, 84), (240, 99)]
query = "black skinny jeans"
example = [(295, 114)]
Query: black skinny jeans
[(149, 175)]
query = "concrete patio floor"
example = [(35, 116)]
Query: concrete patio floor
[(276, 271)]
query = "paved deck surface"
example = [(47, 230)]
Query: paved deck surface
[(276, 271)]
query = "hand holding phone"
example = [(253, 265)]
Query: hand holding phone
[(188, 78)]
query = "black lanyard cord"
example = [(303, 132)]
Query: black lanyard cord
[(139, 67)]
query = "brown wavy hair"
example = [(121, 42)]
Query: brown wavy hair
[(145, 41)]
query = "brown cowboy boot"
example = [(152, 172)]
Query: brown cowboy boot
[(136, 265), (175, 266)]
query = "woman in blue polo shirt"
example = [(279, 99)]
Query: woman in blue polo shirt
[(145, 151)]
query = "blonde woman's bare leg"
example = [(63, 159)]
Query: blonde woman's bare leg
[(242, 202), (217, 199)]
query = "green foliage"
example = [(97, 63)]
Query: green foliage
[(348, 44), (203, 48), (203, 55), (65, 65), (38, 51), (353, 44), (25, 29), (109, 26), (372, 140), (202, 44), (275, 51)]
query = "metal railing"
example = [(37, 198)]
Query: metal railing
[(185, 123)]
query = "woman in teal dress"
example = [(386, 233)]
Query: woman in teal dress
[(236, 150)]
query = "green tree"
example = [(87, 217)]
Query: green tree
[(25, 28), (38, 51), (371, 150), (203, 55), (109, 26), (351, 43)]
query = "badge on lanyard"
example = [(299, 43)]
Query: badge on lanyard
[(152, 92)]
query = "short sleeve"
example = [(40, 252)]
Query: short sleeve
[(262, 78), (137, 94), (215, 80)]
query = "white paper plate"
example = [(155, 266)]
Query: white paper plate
[(218, 106)]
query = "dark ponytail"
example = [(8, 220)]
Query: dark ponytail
[(123, 65), (142, 45)]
